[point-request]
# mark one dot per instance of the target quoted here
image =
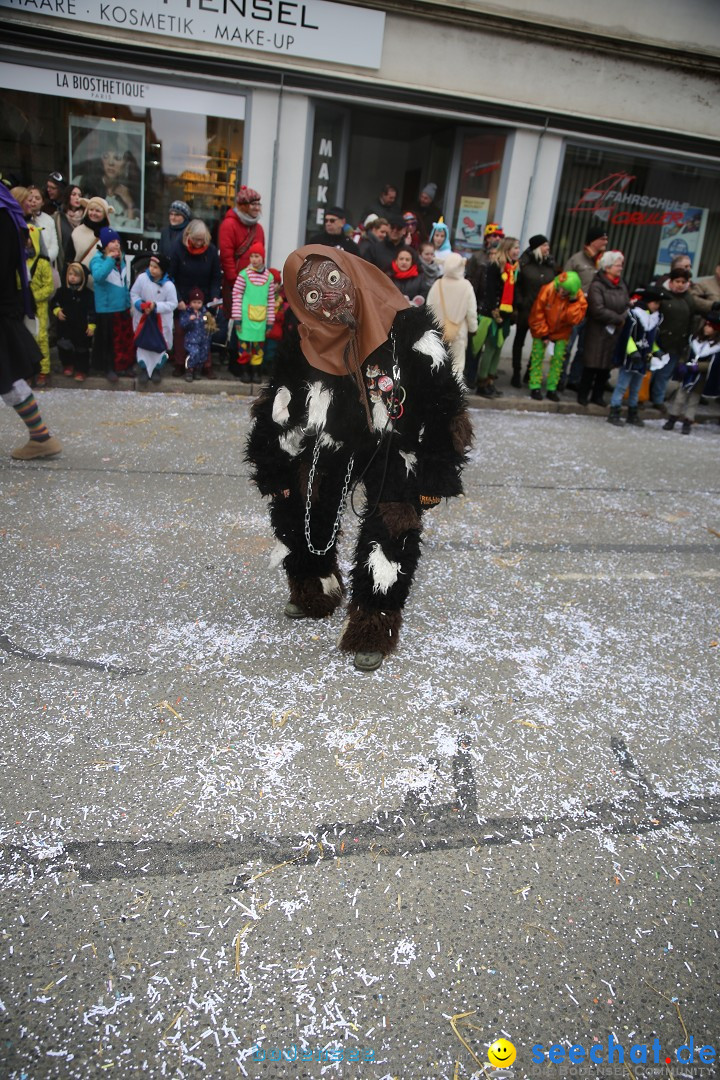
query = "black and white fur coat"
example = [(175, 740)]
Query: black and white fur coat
[(405, 465), (428, 442)]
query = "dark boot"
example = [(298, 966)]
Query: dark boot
[(686, 427), (515, 380), (584, 386), (670, 423), (614, 416), (633, 418), (483, 388)]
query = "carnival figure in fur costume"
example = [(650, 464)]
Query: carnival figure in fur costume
[(365, 393)]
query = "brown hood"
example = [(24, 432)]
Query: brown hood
[(324, 345)]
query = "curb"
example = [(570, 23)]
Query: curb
[(233, 387)]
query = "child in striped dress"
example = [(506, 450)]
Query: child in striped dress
[(253, 309)]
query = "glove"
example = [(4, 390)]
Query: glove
[(147, 305), (681, 371)]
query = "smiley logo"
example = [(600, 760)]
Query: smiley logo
[(501, 1054)]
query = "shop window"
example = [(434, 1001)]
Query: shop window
[(480, 169), (140, 159), (652, 209)]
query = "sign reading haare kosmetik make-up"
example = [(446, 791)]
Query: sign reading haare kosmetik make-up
[(313, 29)]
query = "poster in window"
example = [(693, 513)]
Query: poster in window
[(683, 236), (471, 221), (107, 158)]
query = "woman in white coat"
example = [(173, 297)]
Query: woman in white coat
[(452, 301)]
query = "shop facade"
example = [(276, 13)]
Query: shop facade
[(311, 104)]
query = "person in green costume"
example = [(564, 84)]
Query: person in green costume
[(253, 309)]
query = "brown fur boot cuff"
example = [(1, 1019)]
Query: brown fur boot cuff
[(371, 631)]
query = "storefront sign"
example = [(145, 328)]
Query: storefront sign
[(314, 29), (610, 201), (121, 91)]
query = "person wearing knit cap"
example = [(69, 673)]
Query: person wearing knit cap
[(253, 309), (171, 236), (82, 244), (154, 301), (699, 376), (74, 310), (365, 392), (476, 273), (536, 269), (637, 348), (559, 305), (239, 229), (584, 263), (426, 210), (197, 326), (678, 311), (113, 348)]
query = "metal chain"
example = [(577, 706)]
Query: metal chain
[(341, 506)]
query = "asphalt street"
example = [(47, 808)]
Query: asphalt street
[(221, 845)]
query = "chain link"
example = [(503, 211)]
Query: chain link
[(341, 506)]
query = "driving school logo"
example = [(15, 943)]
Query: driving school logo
[(605, 198)]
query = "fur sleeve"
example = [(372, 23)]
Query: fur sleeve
[(275, 441)]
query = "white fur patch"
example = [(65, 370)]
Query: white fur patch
[(331, 585), (318, 403), (277, 555), (384, 571), (379, 416), (431, 344), (410, 460), (280, 412), (421, 433), (292, 441), (328, 443)]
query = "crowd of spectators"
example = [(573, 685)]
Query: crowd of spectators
[(584, 318)]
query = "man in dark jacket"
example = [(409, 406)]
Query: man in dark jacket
[(677, 309), (333, 233), (383, 253), (537, 268), (584, 263), (426, 210)]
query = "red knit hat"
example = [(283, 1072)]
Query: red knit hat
[(247, 195), (257, 249)]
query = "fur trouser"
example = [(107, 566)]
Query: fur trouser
[(386, 558)]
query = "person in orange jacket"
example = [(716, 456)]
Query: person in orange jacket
[(559, 306)]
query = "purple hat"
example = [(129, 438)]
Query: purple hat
[(107, 235)]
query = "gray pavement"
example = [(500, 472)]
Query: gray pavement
[(219, 841)]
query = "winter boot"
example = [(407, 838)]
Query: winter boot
[(633, 418), (670, 423), (686, 427), (614, 416)]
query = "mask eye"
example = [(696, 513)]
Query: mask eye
[(333, 277), (312, 296)]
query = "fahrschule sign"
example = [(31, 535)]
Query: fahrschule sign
[(313, 29)]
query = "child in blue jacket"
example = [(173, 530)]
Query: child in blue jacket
[(640, 345), (113, 350)]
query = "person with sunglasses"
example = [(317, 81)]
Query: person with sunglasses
[(334, 232), (54, 193)]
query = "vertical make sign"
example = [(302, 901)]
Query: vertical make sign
[(324, 165)]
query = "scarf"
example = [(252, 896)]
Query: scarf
[(247, 219), (509, 277), (403, 275), (335, 348), (197, 250)]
